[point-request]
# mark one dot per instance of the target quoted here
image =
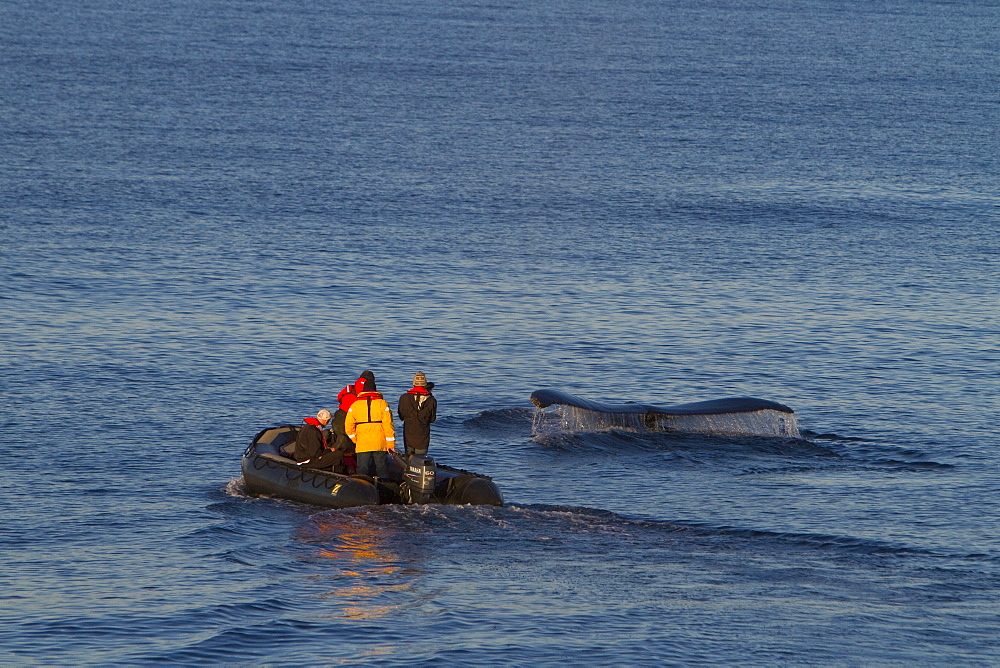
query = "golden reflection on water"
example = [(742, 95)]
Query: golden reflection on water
[(369, 570)]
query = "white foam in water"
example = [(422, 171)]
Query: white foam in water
[(235, 487), (563, 418)]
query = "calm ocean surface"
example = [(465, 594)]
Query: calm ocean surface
[(215, 213)]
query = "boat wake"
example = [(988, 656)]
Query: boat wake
[(558, 520), (236, 488)]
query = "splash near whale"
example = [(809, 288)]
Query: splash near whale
[(735, 416)]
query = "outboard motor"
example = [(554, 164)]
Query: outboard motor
[(420, 478)]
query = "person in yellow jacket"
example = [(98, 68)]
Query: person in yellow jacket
[(369, 425)]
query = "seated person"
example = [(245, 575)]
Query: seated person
[(311, 448)]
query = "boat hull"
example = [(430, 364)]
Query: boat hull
[(267, 475), (268, 472)]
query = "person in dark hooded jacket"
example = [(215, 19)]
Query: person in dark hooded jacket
[(311, 446), (417, 409), (349, 393)]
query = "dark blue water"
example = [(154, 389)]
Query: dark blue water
[(213, 214)]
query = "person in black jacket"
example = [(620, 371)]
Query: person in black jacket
[(312, 449), (417, 409)]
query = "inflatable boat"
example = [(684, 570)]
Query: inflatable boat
[(268, 472), (734, 416)]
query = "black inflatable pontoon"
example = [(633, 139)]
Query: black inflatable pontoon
[(735, 415), (266, 471)]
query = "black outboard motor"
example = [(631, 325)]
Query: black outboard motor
[(420, 478)]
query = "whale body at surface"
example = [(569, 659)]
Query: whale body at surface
[(736, 416)]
